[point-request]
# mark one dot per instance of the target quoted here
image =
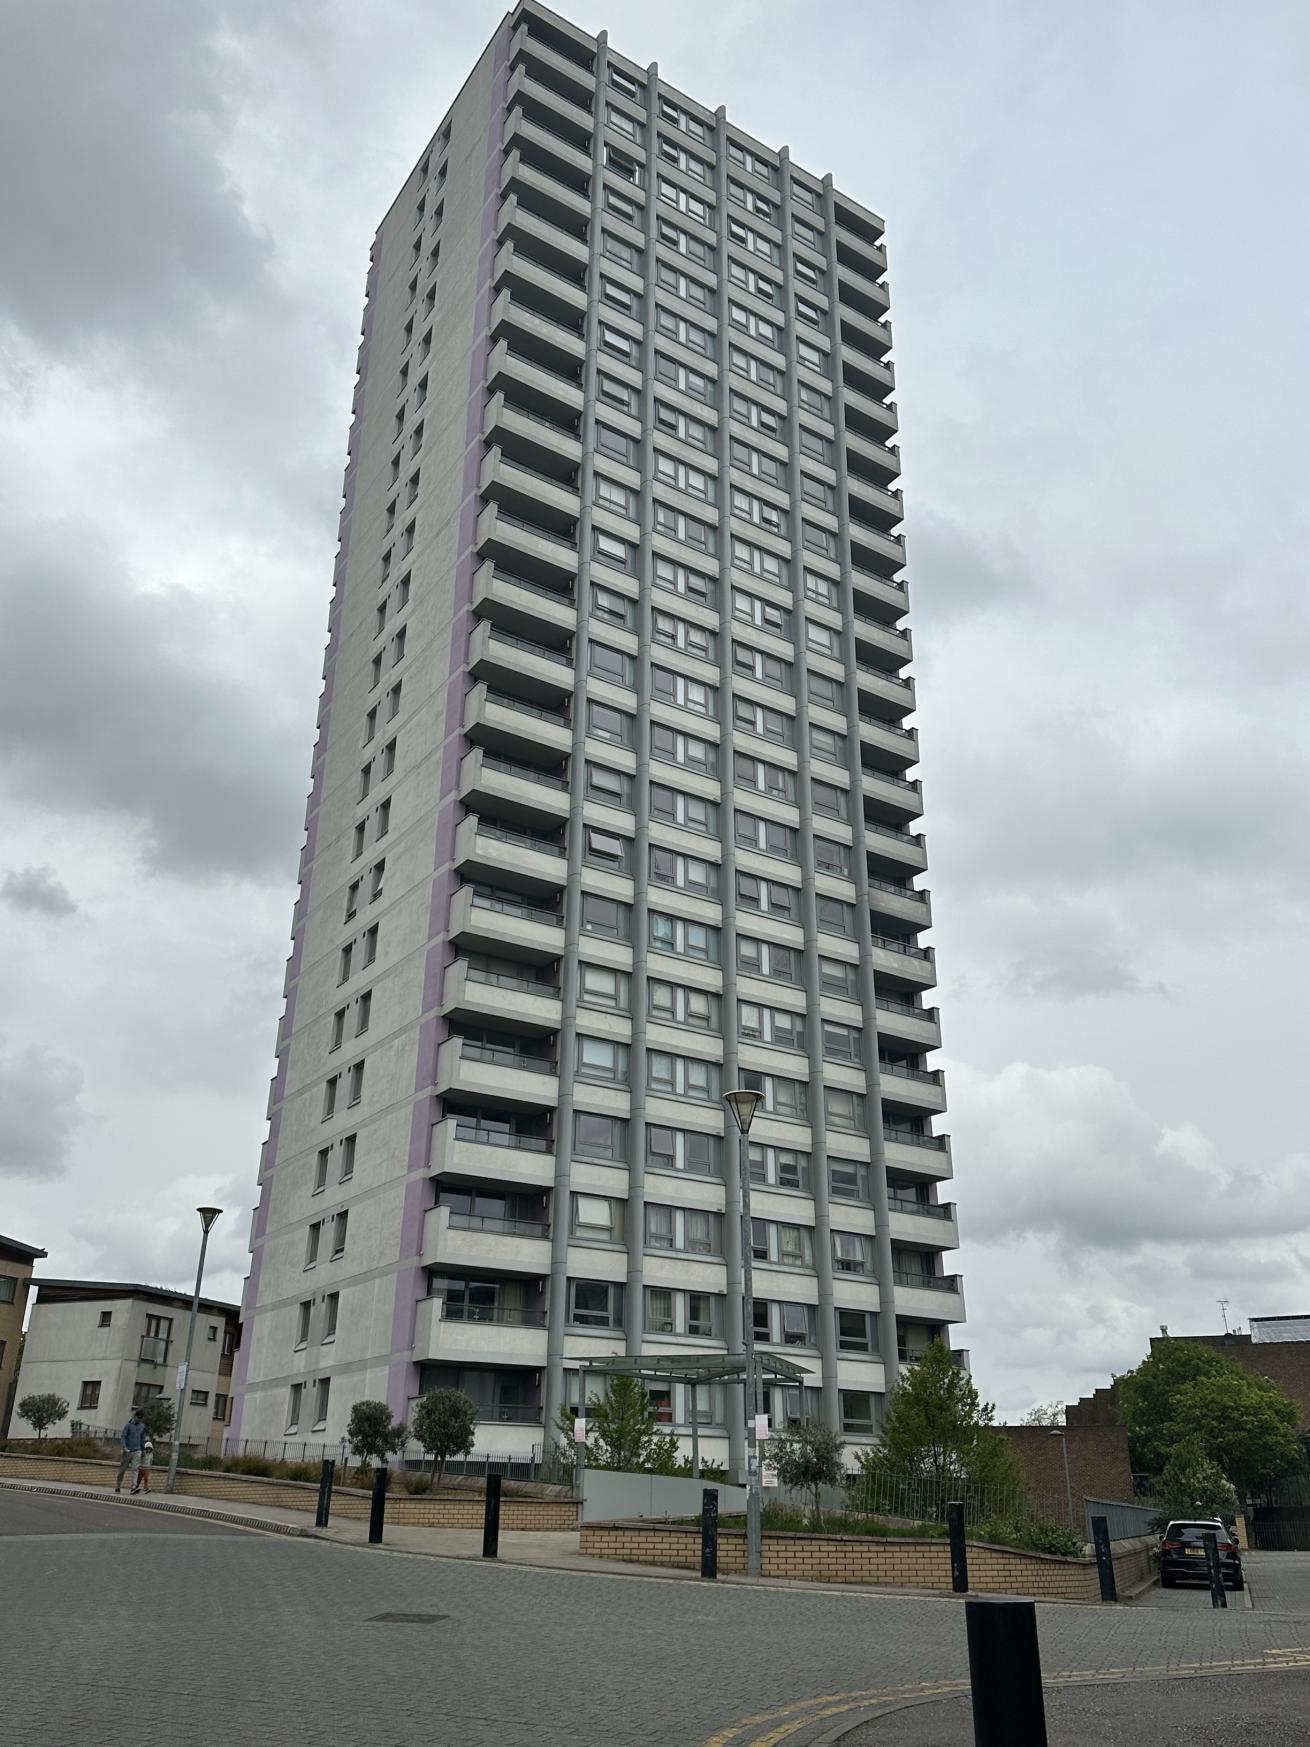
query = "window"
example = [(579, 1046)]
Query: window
[(365, 779), (753, 369), (600, 1058), (688, 530), (687, 381), (833, 858), (384, 820), (817, 447), (393, 701), (600, 1137), (330, 1087), (597, 1219), (376, 879), (825, 691), (696, 1009), (622, 165), (357, 841), (683, 200), (683, 426), (854, 1331), (844, 1110), (624, 82), (766, 836), (765, 958), (352, 898), (622, 122), (671, 747), (754, 461), (828, 799), (321, 1169), (331, 1306), (620, 344), (769, 897), (691, 812), (777, 1026), (610, 495), (820, 540), (604, 722), (322, 1391), (754, 242), (784, 1098), (599, 986), (810, 314), (852, 1252), (296, 1396), (220, 1407), (759, 561), (785, 1246), (339, 1225), (304, 1312), (370, 724), (363, 1013), (338, 1028), (312, 1237), (682, 477), (690, 163), (689, 873), (834, 917), (356, 1082), (616, 444), (836, 977), (105, 1319), (605, 916), (616, 393), (670, 278), (759, 327), (752, 609), (348, 1157), (848, 1180), (750, 412), (612, 788), (814, 400), (841, 1043), (763, 778), (618, 249), (679, 1149), (686, 939), (751, 718), (829, 745), (779, 1167), (683, 1313), (677, 1076), (752, 163), (819, 493), (370, 944), (88, 1397), (595, 1304), (686, 333), (605, 849), (692, 1231), (686, 694), (611, 664), (609, 604), (857, 1413)]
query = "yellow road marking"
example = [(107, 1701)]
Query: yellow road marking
[(789, 1720)]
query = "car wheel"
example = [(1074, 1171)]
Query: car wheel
[(1239, 1583)]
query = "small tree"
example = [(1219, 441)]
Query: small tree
[(158, 1417), (1147, 1397), (623, 1431), (808, 1458), (1192, 1485), (41, 1411), (445, 1421), (1046, 1413), (371, 1431)]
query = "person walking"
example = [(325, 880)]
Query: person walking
[(147, 1462), (134, 1442)]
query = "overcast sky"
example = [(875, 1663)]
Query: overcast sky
[(1099, 272)]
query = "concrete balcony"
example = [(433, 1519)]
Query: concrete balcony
[(550, 444), (511, 727), (540, 145), (862, 290), (926, 1156), (525, 491), (489, 783), (887, 898), (869, 417), (548, 616), (873, 637), (884, 694), (546, 195), (499, 1077), (503, 857), (867, 375), (473, 1241), (867, 459), (528, 550), (463, 1148), (563, 250), (882, 554), (499, 1000), (553, 344), (505, 927), (902, 965), (561, 76), (942, 1300), (891, 798), (879, 599), (893, 746), (569, 122), (860, 254), (874, 504), (522, 666), (899, 1022), (919, 1089), (913, 1222), (863, 333), (455, 1341), (888, 847)]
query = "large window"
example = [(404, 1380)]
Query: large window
[(595, 1304), (681, 1149), (692, 1230)]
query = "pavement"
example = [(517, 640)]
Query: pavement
[(141, 1624)]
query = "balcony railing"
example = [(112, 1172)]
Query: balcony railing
[(897, 782), (477, 1135), (501, 1056), (521, 839), (891, 831), (499, 1224), (922, 1209), (931, 1076), (539, 418), (889, 944), (911, 1137), (518, 1413), (531, 648), (516, 907), (503, 980), (511, 1316), (883, 674), (509, 702), (894, 1006), (877, 721), (928, 1282), (524, 772), (900, 890)]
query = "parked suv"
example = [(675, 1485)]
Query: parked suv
[(1182, 1552)]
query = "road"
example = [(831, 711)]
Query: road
[(135, 1634)]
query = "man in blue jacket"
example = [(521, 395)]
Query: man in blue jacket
[(134, 1441)]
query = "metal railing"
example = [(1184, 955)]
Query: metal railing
[(517, 581), (906, 685), (507, 1315), (932, 1076), (885, 776), (926, 1282), (516, 1413), (858, 576), (524, 772), (889, 944), (505, 980), (877, 721), (502, 1056), (923, 1209), (522, 839), (910, 1137), (509, 702), (484, 900), (539, 418), (476, 1134), (531, 648), (569, 484), (901, 891), (915, 837)]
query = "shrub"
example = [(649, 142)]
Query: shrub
[(1028, 1537), (418, 1483)]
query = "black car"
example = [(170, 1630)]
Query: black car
[(1182, 1553)]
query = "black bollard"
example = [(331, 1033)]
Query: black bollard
[(491, 1518), (325, 1479), (709, 1532), (959, 1553), (1104, 1559), (378, 1509), (1005, 1674), (1218, 1598)]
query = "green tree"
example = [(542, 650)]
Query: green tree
[(808, 1458), (1193, 1485), (938, 1438), (157, 1417), (1147, 1395), (1187, 1395), (1046, 1413), (444, 1424), (41, 1411), (623, 1431), (372, 1433)]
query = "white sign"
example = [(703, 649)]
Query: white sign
[(761, 1426), (768, 1473), (579, 1430), (181, 1383)]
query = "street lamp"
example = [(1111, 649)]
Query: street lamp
[(207, 1217), (1058, 1432), (743, 1105)]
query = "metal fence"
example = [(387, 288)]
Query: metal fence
[(925, 1501), (1124, 1521)]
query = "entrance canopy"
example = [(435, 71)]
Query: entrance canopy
[(695, 1367)]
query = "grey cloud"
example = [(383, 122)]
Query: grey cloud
[(122, 218), (108, 706), (37, 889), (39, 1111), (957, 574)]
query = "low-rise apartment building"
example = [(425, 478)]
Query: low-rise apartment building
[(16, 1262)]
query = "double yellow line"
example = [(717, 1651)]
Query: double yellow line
[(788, 1720)]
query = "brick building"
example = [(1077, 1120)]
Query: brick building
[(1098, 1464), (16, 1262)]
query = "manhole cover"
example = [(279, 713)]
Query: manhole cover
[(406, 1619)]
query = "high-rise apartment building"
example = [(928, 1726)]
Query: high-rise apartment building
[(611, 806)]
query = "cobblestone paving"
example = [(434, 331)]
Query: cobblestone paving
[(138, 1640)]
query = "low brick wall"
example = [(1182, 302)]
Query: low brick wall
[(884, 1564), (412, 1510)]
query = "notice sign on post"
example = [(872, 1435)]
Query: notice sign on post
[(761, 1427), (768, 1473), (579, 1430)]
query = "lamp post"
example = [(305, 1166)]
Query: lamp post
[(1058, 1432), (743, 1105), (207, 1217)]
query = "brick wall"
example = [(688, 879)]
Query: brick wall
[(886, 1564), (412, 1510), (1098, 1465)]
